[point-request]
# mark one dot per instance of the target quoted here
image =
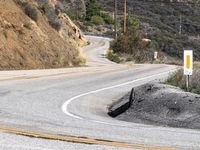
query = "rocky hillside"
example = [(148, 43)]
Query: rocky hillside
[(30, 39)]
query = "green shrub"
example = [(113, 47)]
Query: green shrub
[(107, 18), (31, 11), (113, 56), (179, 79), (92, 9), (55, 24), (45, 8), (75, 14), (133, 23), (176, 78), (130, 42), (79, 61), (97, 20)]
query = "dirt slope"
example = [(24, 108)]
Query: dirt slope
[(29, 44)]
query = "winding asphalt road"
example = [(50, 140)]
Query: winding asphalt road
[(62, 109)]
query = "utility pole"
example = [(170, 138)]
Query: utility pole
[(115, 18), (124, 16)]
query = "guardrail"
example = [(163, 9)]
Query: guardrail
[(121, 106)]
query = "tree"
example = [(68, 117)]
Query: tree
[(92, 9), (133, 24), (97, 20)]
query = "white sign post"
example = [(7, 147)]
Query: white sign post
[(188, 66), (155, 55)]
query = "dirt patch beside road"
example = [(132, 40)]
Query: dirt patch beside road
[(163, 105)]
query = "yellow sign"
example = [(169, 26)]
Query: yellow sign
[(188, 62)]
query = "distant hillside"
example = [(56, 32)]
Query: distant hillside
[(161, 21), (30, 39), (164, 15)]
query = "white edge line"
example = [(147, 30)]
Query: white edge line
[(65, 106)]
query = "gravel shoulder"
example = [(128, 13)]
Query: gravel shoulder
[(163, 105)]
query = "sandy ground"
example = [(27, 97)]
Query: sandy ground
[(163, 105)]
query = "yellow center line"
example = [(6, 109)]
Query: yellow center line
[(82, 72), (80, 139)]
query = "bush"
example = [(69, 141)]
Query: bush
[(55, 24), (178, 79), (132, 23), (79, 61), (107, 18), (75, 14), (45, 8), (92, 9), (50, 13), (31, 11), (129, 42), (113, 56), (97, 20)]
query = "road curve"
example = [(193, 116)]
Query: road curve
[(71, 105)]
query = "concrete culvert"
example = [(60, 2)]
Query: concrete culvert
[(163, 105)]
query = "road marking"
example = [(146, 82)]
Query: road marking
[(82, 140), (65, 106), (82, 72)]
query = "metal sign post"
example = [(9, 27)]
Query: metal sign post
[(188, 83), (188, 66)]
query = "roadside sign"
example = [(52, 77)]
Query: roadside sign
[(155, 55), (188, 62)]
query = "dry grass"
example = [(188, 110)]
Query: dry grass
[(113, 56), (178, 79)]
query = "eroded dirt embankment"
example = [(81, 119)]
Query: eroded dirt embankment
[(163, 105), (29, 41)]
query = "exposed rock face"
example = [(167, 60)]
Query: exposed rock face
[(56, 16), (26, 43), (73, 33)]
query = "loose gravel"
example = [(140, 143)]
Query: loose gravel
[(164, 105)]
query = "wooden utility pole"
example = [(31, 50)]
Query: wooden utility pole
[(124, 16), (115, 19)]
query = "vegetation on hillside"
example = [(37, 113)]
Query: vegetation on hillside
[(171, 27), (133, 43), (93, 14), (96, 14), (31, 11), (179, 79)]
